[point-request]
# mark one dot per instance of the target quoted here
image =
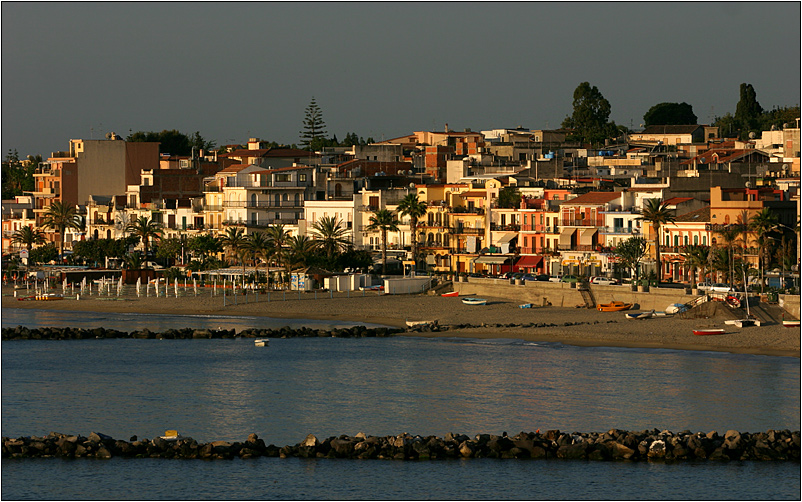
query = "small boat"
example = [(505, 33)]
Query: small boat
[(708, 331), (474, 301), (526, 306), (661, 314), (640, 315), (791, 323), (46, 297), (676, 308), (451, 294), (418, 324), (261, 342), (613, 306), (171, 435)]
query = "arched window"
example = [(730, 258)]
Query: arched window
[(446, 240), (285, 197), (430, 219), (676, 240), (297, 200), (704, 240), (108, 234), (726, 219), (278, 199), (696, 240), (438, 240), (685, 240), (253, 200)]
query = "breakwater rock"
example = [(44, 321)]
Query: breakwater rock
[(24, 333), (653, 445), (425, 328)]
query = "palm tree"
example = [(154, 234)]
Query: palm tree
[(762, 224), (234, 240), (330, 236), (385, 221), (414, 208), (730, 234), (696, 257), (59, 217), (205, 245), (300, 248), (259, 248), (146, 229), (656, 212), (278, 237), (28, 236)]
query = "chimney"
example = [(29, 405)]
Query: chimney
[(446, 126)]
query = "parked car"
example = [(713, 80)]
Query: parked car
[(714, 287), (604, 281), (569, 278), (541, 277), (555, 279)]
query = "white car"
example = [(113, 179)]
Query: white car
[(715, 287), (604, 281)]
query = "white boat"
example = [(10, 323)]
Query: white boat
[(790, 323), (676, 308), (414, 324), (474, 301), (171, 435), (261, 342), (640, 315)]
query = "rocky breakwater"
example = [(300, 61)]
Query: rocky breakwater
[(613, 445), (426, 328), (24, 333)]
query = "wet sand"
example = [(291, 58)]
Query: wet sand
[(573, 326)]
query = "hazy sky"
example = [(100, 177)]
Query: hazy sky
[(239, 70)]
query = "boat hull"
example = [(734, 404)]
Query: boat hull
[(451, 294), (613, 306), (474, 301), (791, 324), (709, 331)]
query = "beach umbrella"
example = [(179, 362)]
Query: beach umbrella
[(64, 285), (157, 286), (147, 289), (195, 286), (175, 286), (138, 285)]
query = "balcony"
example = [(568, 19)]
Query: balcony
[(540, 229), (514, 227), (620, 231), (582, 222), (568, 247), (466, 231)]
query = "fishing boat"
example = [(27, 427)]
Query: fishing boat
[(420, 324), (708, 331), (474, 301), (261, 342), (613, 306), (640, 315), (791, 323), (451, 294), (44, 297)]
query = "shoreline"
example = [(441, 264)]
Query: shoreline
[(499, 319)]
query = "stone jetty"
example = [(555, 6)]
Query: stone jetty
[(613, 445), (24, 333)]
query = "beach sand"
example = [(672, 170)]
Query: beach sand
[(585, 327)]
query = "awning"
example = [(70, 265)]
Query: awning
[(570, 262), (430, 259), (565, 236), (586, 237), (492, 260), (507, 237), (528, 261)]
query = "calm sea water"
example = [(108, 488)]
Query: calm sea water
[(227, 389)]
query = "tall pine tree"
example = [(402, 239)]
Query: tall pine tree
[(314, 126)]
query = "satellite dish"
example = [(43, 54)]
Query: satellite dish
[(412, 185), (752, 135), (748, 184)]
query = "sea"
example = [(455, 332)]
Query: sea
[(227, 389)]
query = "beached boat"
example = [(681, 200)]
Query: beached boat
[(676, 308), (418, 324), (791, 323), (261, 342), (708, 331), (451, 294), (474, 301), (46, 297), (526, 306), (613, 306), (640, 315)]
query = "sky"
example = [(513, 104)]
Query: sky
[(232, 71)]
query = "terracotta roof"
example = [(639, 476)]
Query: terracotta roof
[(593, 198), (677, 200), (292, 168), (235, 168), (699, 215), (473, 193)]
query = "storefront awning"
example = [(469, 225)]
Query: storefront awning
[(565, 236), (586, 237), (506, 238), (431, 260), (492, 260), (528, 261)]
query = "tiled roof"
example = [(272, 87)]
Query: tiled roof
[(594, 198), (474, 193), (677, 200), (235, 168), (699, 215)]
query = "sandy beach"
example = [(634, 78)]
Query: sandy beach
[(574, 326)]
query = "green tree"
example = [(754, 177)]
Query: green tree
[(278, 237), (330, 235), (509, 197), (173, 141), (235, 243), (384, 221), (59, 217), (670, 114), (748, 110), (43, 254), (656, 212), (170, 249), (17, 175), (411, 206), (145, 229), (259, 248), (630, 253), (314, 126), (206, 246), (300, 249), (589, 118), (28, 236), (763, 224)]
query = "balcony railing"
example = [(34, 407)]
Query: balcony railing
[(620, 230), (568, 247), (513, 227), (261, 223), (582, 222), (540, 229), (263, 204), (467, 230)]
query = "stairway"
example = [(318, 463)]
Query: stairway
[(587, 295)]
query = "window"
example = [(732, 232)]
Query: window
[(302, 178), (283, 178)]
